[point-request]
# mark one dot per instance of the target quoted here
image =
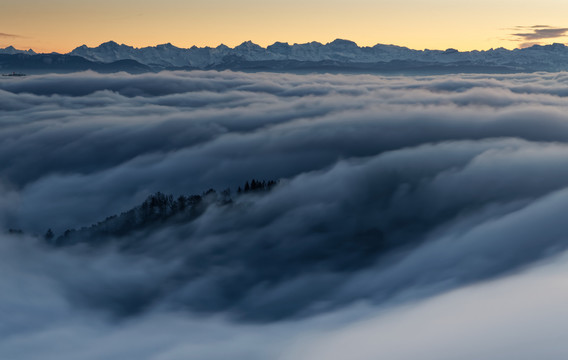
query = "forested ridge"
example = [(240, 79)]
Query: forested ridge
[(158, 208)]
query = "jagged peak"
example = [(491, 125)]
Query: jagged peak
[(248, 45), (279, 44), (450, 51), (311, 43), (12, 49), (279, 47), (110, 43), (391, 46), (167, 46), (343, 42), (553, 47)]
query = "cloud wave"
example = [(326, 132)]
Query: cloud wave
[(393, 190)]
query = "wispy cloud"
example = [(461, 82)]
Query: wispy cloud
[(6, 35), (530, 35)]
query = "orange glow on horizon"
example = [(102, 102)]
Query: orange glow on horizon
[(62, 25)]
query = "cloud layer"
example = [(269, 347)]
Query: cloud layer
[(393, 190)]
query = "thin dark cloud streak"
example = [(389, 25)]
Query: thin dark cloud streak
[(10, 36), (531, 35), (539, 34)]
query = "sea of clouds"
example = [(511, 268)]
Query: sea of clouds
[(415, 218)]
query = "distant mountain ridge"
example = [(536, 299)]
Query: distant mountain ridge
[(336, 55), (58, 63), (548, 57), (10, 50)]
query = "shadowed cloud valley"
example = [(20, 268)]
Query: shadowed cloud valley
[(397, 197)]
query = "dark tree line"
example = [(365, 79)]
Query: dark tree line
[(162, 206), (158, 207), (256, 185)]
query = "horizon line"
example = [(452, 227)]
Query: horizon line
[(278, 42)]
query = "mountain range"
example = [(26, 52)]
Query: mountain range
[(338, 55)]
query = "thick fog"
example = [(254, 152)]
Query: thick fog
[(414, 217)]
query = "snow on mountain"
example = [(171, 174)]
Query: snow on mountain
[(549, 57), (10, 50), (338, 53)]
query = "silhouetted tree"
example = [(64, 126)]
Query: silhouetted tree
[(48, 235), (175, 207), (194, 200), (145, 210), (226, 196), (182, 202), (209, 192)]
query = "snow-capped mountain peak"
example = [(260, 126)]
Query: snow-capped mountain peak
[(10, 50), (553, 57)]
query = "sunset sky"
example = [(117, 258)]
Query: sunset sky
[(61, 25)]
